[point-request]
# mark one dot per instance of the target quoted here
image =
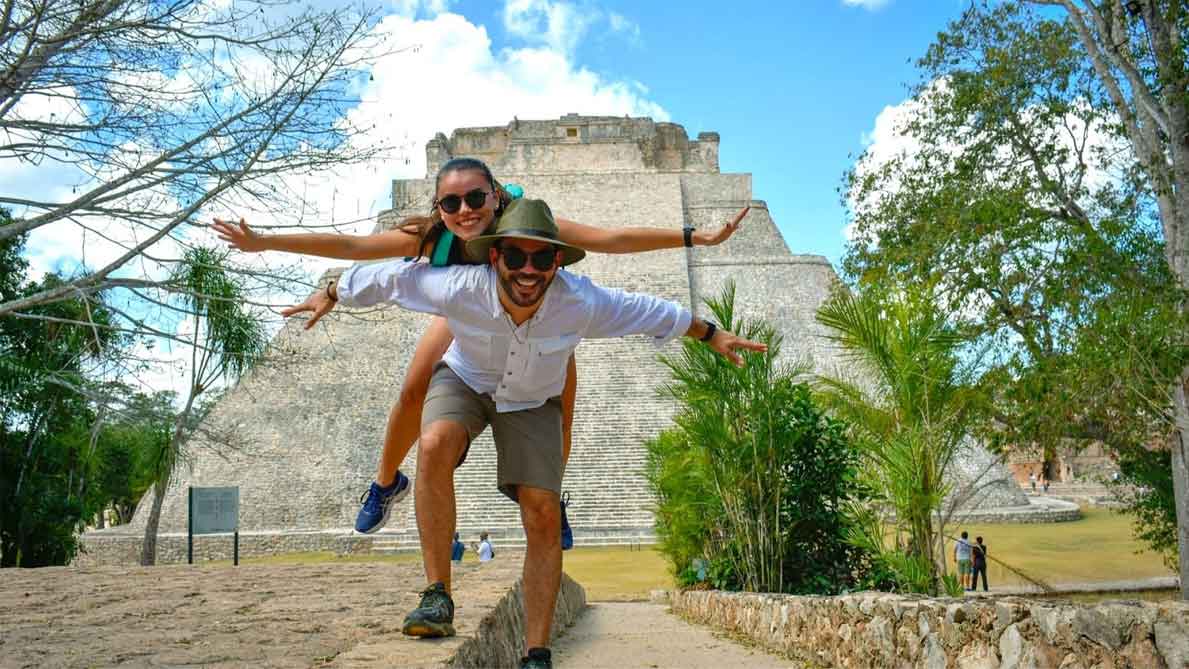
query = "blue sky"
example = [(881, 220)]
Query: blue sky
[(792, 88)]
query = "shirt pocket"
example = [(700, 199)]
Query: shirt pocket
[(547, 360), (476, 349)]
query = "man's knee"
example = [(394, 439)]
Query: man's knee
[(541, 510), (441, 444)]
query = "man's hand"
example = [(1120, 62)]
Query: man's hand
[(239, 235), (726, 343), (707, 238), (319, 303)]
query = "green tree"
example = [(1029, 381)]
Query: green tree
[(168, 109), (127, 444), (753, 478), (227, 338), (909, 398), (1034, 203), (47, 427), (1139, 52)]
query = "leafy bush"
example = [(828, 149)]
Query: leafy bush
[(754, 478)]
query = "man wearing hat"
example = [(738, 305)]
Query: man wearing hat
[(515, 320)]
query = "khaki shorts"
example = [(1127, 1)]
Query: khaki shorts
[(528, 443)]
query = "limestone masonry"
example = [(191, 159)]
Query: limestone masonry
[(314, 410)]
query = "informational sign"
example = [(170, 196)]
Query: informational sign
[(214, 510)]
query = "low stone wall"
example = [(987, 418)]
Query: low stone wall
[(500, 636), (1022, 516), (107, 547), (885, 630)]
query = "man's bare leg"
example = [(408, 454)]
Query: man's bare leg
[(442, 444), (540, 512)]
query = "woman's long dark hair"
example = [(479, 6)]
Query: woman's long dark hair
[(430, 228)]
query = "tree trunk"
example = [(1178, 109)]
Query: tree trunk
[(148, 550), (1180, 479)]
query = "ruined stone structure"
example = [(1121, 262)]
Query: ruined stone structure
[(313, 413)]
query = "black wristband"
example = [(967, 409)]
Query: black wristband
[(711, 328), (689, 235), (332, 297)]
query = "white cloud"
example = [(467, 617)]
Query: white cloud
[(866, 4), (624, 26), (561, 25), (411, 8)]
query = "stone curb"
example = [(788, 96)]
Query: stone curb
[(498, 640)]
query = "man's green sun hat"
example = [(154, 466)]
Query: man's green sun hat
[(525, 219)]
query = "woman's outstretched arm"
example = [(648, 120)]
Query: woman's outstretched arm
[(388, 244), (635, 240)]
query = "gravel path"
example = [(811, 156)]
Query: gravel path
[(614, 635)]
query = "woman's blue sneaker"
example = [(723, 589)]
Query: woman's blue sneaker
[(377, 504), (567, 535)]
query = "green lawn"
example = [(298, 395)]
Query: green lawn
[(1097, 548), (618, 574)]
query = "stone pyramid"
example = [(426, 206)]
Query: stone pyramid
[(314, 411)]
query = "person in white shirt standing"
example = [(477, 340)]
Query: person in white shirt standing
[(516, 321), (484, 549)]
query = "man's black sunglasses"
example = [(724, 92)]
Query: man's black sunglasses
[(475, 199), (515, 258)]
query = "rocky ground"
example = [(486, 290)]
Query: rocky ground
[(341, 615), (328, 615)]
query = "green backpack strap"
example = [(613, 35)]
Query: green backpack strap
[(441, 249)]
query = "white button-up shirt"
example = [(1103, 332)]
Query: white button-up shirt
[(520, 367)]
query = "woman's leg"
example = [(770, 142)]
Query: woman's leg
[(404, 421), (404, 426)]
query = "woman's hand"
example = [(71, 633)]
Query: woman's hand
[(708, 238), (239, 235), (319, 303)]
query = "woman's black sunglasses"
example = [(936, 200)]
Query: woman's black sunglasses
[(515, 258), (475, 199)]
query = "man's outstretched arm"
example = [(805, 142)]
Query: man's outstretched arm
[(617, 313), (416, 286)]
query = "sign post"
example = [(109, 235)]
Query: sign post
[(213, 511)]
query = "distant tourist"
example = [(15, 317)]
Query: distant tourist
[(962, 557), (458, 549), (978, 563), (484, 549), (1045, 485), (1032, 480)]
